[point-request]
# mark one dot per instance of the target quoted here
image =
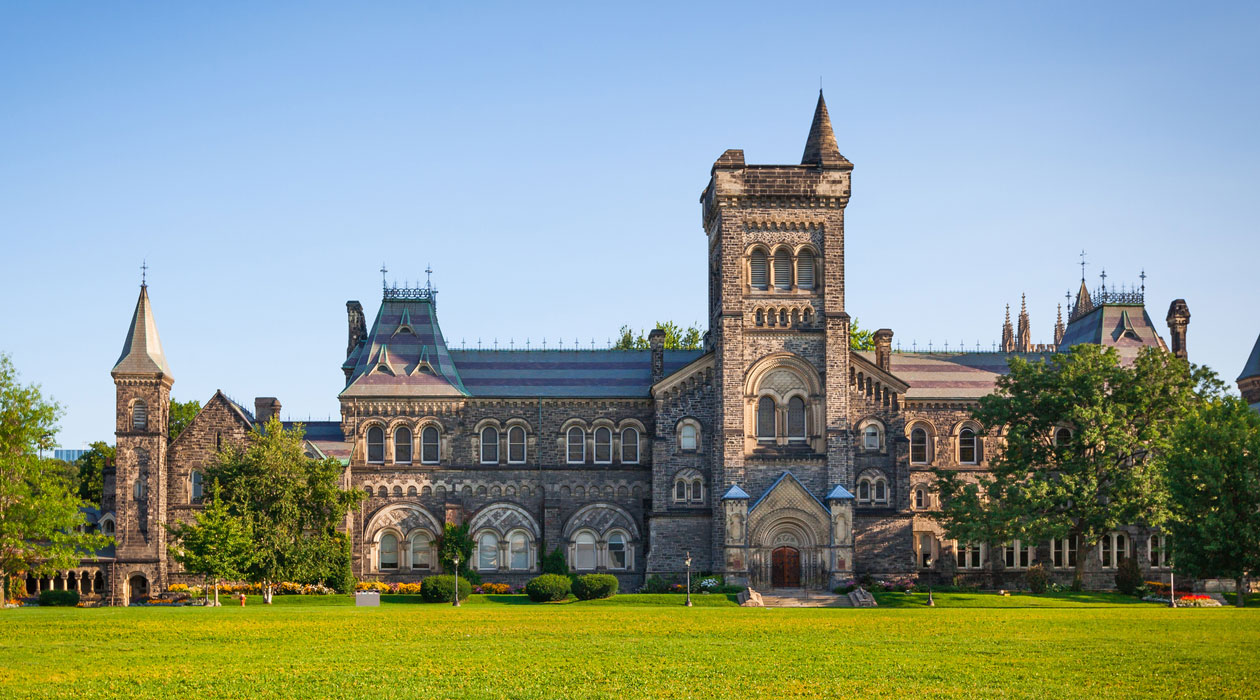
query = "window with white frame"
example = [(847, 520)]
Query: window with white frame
[(881, 491), (765, 419), (1157, 546), (518, 550), (603, 446), (389, 552), (516, 445), (805, 270), (402, 445), (796, 419), (1113, 549), (864, 491), (967, 447), (489, 445), (584, 551), (688, 487), (197, 486), (758, 270), (429, 450), (488, 552), (375, 445), (616, 551), (918, 446), (421, 552), (970, 555), (688, 438), (629, 445), (680, 491), (870, 438), (1063, 553), (576, 452), (1017, 555)]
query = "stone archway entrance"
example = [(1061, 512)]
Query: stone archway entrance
[(785, 567), (137, 587)]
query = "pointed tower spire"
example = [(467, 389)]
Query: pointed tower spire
[(1008, 334), (1024, 343), (820, 147), (1059, 330), (142, 350)]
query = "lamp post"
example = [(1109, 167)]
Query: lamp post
[(455, 603), (687, 563)]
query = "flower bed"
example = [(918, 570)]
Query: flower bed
[(1197, 601)]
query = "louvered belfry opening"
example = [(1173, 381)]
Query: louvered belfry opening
[(782, 270), (759, 276), (805, 271)]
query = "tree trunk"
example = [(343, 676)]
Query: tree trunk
[(216, 592), (266, 591), (1078, 581), (1240, 591)]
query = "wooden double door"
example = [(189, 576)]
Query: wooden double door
[(785, 568)]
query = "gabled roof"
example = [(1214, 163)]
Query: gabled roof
[(142, 349), (564, 373), (735, 493), (1252, 368), (405, 353), (785, 476)]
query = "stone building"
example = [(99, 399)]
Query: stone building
[(775, 455)]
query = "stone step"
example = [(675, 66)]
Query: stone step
[(796, 598)]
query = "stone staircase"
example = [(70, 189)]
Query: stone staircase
[(800, 598)]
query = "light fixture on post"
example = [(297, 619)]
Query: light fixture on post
[(687, 563), (455, 603)]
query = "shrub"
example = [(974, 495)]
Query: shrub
[(1037, 578), (548, 587), (1128, 576), (844, 589), (63, 599), (441, 589), (554, 563), (493, 588), (342, 579), (655, 584), (592, 586)]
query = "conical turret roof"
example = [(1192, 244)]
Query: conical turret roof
[(1252, 368), (820, 147), (142, 350)]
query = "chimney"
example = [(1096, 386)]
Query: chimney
[(656, 341), (357, 325), (265, 407), (883, 348), (1178, 319)]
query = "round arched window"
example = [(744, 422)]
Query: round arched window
[(389, 552), (402, 445), (489, 445), (918, 446), (765, 418), (375, 445)]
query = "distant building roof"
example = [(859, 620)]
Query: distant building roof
[(1125, 327), (944, 375), (325, 436), (564, 373), (405, 353), (1252, 368)]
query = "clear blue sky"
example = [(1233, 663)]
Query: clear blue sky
[(267, 157)]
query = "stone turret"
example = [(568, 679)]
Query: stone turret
[(1178, 319), (1249, 380), (1008, 333), (1058, 326), (1023, 342), (883, 348)]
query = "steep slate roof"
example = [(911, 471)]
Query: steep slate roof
[(404, 353), (820, 147), (142, 350), (1252, 368), (1125, 327), (564, 373), (943, 375), (326, 437)]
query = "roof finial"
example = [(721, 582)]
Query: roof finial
[(1143, 276), (1103, 275), (428, 277), (144, 272), (384, 284), (1083, 265)]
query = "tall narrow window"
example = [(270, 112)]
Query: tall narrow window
[(429, 445), (516, 445), (616, 551), (805, 270), (688, 438), (603, 446), (139, 416), (870, 438), (389, 552), (680, 491), (697, 490), (375, 445), (758, 277), (141, 488), (967, 446), (796, 419), (630, 446), (918, 446), (576, 446), (925, 549), (487, 551), (765, 418), (489, 445), (198, 486), (584, 552), (864, 491), (421, 552), (519, 546), (920, 498), (402, 446), (1159, 551), (881, 491), (218, 441), (1063, 553), (782, 270)]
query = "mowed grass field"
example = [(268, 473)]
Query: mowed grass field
[(969, 646)]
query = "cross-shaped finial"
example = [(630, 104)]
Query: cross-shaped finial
[(428, 277), (1103, 275), (383, 271), (1143, 276), (144, 272), (1083, 265)]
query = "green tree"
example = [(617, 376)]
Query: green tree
[(455, 540), (218, 545), (860, 338), (292, 503), (976, 508), (39, 507), (91, 467), (676, 337), (181, 415), (1105, 475), (1213, 471)]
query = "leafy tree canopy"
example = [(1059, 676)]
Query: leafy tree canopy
[(39, 503), (218, 545), (859, 337), (91, 467), (182, 414), (676, 337)]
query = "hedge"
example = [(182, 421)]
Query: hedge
[(441, 589), (548, 587), (592, 586), (64, 599)]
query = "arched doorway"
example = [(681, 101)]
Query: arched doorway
[(785, 567), (137, 587)]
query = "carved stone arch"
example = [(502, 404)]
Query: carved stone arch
[(400, 422), (403, 517), (956, 429), (487, 423), (603, 423), (574, 423), (762, 369), (369, 423), (518, 421), (921, 423), (503, 517), (600, 518), (809, 248)]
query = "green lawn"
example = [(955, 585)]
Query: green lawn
[(969, 646)]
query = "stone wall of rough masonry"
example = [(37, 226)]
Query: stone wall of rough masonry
[(882, 542), (140, 454)]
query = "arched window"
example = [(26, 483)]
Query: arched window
[(397, 492), (402, 445), (688, 438), (519, 547), (967, 446), (429, 453), (516, 445), (603, 446), (1113, 549), (630, 446), (782, 270), (489, 445), (616, 551), (376, 445), (384, 492), (881, 491), (805, 270), (918, 446), (864, 491), (796, 419), (920, 498), (107, 526), (389, 552), (765, 418), (584, 552), (422, 552), (870, 438), (1062, 437), (488, 551), (697, 490), (680, 491), (139, 416), (757, 272), (196, 481), (576, 453)]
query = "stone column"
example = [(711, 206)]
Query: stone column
[(735, 538), (840, 505)]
